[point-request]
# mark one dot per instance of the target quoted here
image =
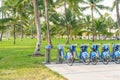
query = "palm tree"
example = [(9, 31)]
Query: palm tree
[(118, 15), (12, 6), (67, 27), (93, 5), (110, 23), (73, 24), (116, 5), (87, 24), (37, 22), (2, 22), (100, 26), (47, 22), (73, 5)]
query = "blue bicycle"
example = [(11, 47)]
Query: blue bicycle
[(105, 55), (70, 56), (116, 54), (94, 54), (84, 57)]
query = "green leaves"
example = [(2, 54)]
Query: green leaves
[(4, 20), (55, 18)]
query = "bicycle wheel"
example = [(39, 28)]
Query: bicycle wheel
[(94, 60), (70, 61), (117, 60), (86, 61), (105, 61)]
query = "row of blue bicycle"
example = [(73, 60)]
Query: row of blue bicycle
[(93, 57)]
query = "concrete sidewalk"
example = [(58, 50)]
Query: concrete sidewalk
[(80, 71)]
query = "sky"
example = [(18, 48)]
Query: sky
[(0, 3), (0, 6), (105, 2), (88, 12)]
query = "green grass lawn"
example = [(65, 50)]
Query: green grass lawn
[(17, 64)]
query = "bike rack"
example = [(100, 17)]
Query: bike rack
[(47, 54), (60, 53), (73, 47)]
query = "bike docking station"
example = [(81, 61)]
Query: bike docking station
[(73, 48), (60, 54), (97, 53), (47, 54)]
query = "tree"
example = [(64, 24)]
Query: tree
[(87, 24), (100, 26), (3, 21), (37, 22), (3, 26), (118, 15), (12, 6), (93, 5), (47, 23), (72, 22), (116, 6), (2, 29), (73, 5)]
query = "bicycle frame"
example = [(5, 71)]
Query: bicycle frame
[(116, 54), (84, 57), (94, 52), (105, 55)]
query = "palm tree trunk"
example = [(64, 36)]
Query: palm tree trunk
[(37, 21), (14, 34), (8, 33), (92, 23), (47, 23), (2, 22), (99, 36), (118, 16), (14, 23), (88, 36), (67, 27), (21, 32), (32, 31), (1, 36)]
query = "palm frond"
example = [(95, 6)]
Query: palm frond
[(103, 7), (84, 8), (113, 6), (18, 2), (4, 20), (98, 11), (98, 1)]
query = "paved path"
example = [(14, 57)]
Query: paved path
[(88, 72)]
